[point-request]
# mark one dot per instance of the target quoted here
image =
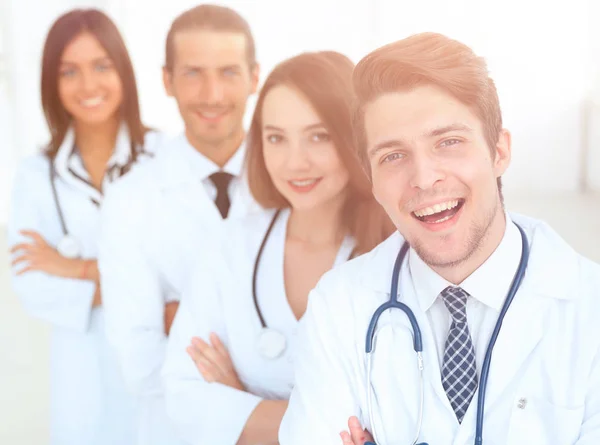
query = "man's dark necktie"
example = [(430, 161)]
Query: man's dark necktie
[(221, 181)]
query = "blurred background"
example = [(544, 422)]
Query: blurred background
[(543, 54)]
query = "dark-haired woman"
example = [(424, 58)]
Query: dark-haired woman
[(90, 103)]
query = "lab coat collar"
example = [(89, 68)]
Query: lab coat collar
[(551, 271), (184, 164), (120, 157), (553, 264), (378, 277), (69, 165)]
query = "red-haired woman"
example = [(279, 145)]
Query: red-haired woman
[(228, 372)]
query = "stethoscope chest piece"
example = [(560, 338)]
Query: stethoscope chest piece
[(271, 343), (69, 247)]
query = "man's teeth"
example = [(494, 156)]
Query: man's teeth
[(92, 102), (436, 208), (303, 183)]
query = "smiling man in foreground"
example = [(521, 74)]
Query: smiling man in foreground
[(478, 280)]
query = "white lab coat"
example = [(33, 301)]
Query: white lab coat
[(88, 401), (219, 299), (155, 223), (544, 382)]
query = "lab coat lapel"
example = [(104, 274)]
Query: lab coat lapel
[(118, 163), (523, 326), (242, 201), (182, 187)]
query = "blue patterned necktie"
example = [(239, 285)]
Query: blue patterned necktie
[(459, 371)]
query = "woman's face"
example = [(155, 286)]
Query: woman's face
[(300, 156), (89, 86)]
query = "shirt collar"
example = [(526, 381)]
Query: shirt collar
[(489, 283), (236, 163), (200, 166)]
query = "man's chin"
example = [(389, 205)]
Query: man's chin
[(442, 252)]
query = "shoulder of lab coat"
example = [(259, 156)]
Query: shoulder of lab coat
[(61, 301), (203, 412), (154, 141), (327, 378), (132, 290)]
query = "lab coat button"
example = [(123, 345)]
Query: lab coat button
[(522, 403)]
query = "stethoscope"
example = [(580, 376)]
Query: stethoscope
[(69, 246), (271, 343), (393, 303)]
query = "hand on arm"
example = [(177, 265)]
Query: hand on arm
[(214, 362), (215, 365), (355, 435), (38, 255)]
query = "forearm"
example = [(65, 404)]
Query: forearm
[(263, 424), (97, 301), (79, 269), (88, 270)]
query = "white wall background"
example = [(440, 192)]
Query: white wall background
[(543, 54)]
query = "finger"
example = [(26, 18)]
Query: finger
[(20, 259), (359, 437), (25, 270), (346, 439), (198, 362), (208, 376), (206, 368), (219, 346), (206, 362), (22, 246), (34, 235), (211, 354)]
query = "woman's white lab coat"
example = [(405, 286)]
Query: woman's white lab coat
[(544, 381), (219, 299), (88, 401)]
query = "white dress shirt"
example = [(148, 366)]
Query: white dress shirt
[(487, 288)]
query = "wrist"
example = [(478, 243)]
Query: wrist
[(84, 270), (237, 384)]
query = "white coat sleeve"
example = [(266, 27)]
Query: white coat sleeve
[(63, 302), (202, 412), (132, 292), (324, 396)]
